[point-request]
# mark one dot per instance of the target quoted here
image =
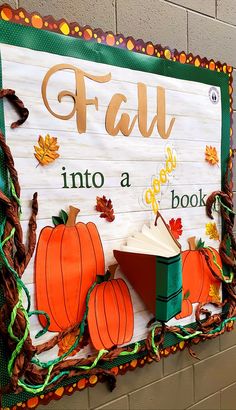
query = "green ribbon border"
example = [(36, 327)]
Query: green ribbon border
[(29, 37)]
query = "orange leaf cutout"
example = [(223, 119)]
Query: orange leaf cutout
[(105, 206), (66, 343), (176, 227), (214, 292), (46, 152), (211, 155)]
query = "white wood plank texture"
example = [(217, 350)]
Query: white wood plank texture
[(197, 124)]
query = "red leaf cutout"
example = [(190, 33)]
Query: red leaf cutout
[(176, 227), (105, 206)]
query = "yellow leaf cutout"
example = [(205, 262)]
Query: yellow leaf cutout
[(214, 292), (212, 231), (46, 151), (211, 155)]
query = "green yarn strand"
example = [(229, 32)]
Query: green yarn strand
[(95, 362), (224, 206), (13, 192), (75, 344), (36, 389), (8, 266), (40, 387), (45, 329), (154, 347), (225, 278), (9, 236), (20, 344), (134, 351)]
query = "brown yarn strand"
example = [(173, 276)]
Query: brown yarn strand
[(15, 250), (228, 256), (226, 198), (18, 104)]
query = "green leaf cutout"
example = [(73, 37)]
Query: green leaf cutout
[(56, 220), (64, 216), (187, 294), (103, 278), (200, 244)]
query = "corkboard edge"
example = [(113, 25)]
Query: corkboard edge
[(21, 16)]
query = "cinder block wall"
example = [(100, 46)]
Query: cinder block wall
[(207, 28)]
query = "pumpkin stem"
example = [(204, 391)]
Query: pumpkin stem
[(73, 212), (192, 243)]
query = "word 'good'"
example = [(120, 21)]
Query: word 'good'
[(114, 122), (150, 196)]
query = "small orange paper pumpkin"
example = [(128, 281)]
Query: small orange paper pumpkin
[(110, 314), (68, 259), (197, 276)]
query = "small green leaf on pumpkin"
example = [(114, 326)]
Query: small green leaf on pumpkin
[(200, 244), (64, 216), (56, 220), (107, 276), (187, 294), (103, 278), (61, 219)]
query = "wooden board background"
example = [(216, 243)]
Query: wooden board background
[(198, 123)]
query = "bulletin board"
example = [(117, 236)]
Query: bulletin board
[(117, 244)]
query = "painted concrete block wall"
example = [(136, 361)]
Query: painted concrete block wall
[(208, 28)]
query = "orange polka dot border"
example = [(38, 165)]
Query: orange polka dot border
[(87, 33)]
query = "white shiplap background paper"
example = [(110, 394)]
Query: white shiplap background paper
[(197, 124)]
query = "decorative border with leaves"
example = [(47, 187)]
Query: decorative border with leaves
[(86, 33)]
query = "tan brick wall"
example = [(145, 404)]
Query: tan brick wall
[(208, 28)]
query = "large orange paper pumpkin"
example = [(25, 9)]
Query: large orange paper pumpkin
[(110, 314), (198, 279), (68, 258)]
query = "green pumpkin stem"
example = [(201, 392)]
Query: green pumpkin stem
[(192, 243), (73, 212)]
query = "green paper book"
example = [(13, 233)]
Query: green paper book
[(151, 261)]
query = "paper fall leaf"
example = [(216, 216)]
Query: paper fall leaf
[(211, 155), (176, 227), (46, 151), (212, 231), (66, 343), (214, 292), (105, 206)]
